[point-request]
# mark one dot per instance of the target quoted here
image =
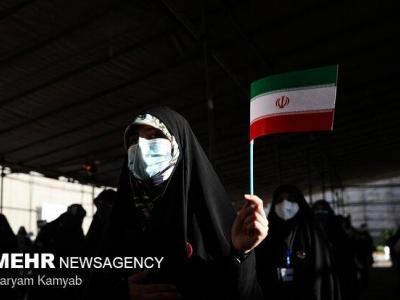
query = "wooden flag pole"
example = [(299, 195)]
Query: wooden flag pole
[(251, 168)]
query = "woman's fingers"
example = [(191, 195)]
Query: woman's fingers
[(252, 203), (256, 229), (255, 202), (256, 216), (250, 226), (254, 210), (253, 199), (246, 210), (255, 223)]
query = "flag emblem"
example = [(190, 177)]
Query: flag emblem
[(282, 101), (310, 93)]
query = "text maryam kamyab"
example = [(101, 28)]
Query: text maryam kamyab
[(41, 280)]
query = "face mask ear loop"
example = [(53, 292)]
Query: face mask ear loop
[(169, 178), (128, 154)]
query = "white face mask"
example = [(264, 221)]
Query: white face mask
[(286, 209), (150, 159)]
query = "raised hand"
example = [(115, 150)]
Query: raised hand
[(250, 226)]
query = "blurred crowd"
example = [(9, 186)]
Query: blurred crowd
[(63, 236), (313, 230)]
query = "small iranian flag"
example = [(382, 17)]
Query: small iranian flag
[(293, 102)]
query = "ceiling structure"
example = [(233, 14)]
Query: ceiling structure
[(74, 74)]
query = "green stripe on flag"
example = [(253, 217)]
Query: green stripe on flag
[(294, 80)]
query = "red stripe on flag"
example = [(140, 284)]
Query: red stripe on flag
[(322, 121)]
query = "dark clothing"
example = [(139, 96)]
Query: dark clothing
[(24, 241), (8, 244), (8, 240), (104, 203), (94, 235), (193, 209), (394, 245), (364, 248), (342, 248), (61, 237), (314, 275)]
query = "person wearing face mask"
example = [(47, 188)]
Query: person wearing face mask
[(295, 260), (171, 203)]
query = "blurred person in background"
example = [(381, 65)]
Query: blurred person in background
[(8, 244), (64, 235), (394, 246), (342, 248), (8, 240), (364, 247), (295, 261), (24, 240), (61, 237), (104, 203)]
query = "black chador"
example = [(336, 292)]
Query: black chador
[(295, 260), (188, 222)]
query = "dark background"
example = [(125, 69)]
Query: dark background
[(73, 74)]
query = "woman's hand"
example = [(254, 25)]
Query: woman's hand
[(250, 226), (140, 291)]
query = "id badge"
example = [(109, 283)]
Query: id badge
[(285, 274)]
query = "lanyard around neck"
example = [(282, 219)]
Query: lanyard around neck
[(289, 247)]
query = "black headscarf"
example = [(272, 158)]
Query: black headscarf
[(193, 213), (314, 273)]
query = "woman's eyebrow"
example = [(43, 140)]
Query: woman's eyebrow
[(156, 132), (150, 129)]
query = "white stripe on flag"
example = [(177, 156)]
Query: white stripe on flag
[(314, 99)]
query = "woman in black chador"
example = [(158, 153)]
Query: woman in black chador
[(8, 244), (295, 260), (172, 204)]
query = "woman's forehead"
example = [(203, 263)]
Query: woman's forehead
[(283, 194), (145, 131), (141, 128), (287, 195)]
